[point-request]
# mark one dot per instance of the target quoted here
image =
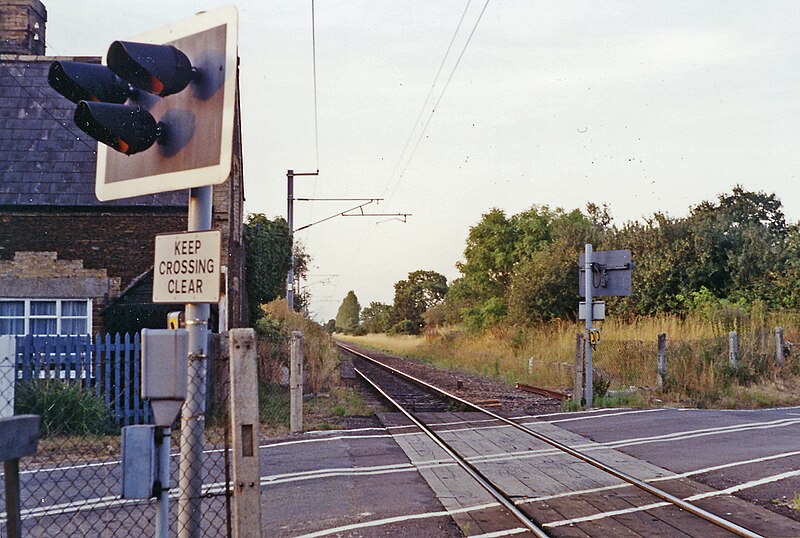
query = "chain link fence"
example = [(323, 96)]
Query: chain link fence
[(72, 486)]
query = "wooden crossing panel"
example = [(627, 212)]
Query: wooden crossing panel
[(554, 487)]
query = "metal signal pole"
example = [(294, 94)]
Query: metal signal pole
[(589, 390), (290, 174), (193, 412)]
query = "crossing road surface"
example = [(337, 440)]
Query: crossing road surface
[(756, 453)]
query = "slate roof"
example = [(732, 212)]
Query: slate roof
[(45, 160)]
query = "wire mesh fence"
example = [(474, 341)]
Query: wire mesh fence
[(697, 367), (273, 386), (72, 485)]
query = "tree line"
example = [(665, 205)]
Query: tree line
[(523, 269)]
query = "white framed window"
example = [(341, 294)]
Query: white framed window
[(46, 317)]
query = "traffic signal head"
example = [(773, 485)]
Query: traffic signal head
[(125, 128), (164, 102), (78, 81), (158, 69), (101, 91)]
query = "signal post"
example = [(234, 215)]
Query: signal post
[(164, 103)]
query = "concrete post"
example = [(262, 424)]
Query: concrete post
[(662, 360), (296, 383), (244, 424), (8, 353), (779, 346), (577, 387), (733, 349)]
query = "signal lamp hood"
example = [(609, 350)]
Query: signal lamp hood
[(79, 81), (125, 128), (158, 69)]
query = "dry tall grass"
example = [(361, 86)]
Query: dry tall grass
[(697, 351)]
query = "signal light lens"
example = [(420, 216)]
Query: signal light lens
[(79, 81), (127, 129), (158, 69)]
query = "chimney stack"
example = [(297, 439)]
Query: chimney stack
[(22, 25)]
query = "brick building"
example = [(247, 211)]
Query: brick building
[(70, 264)]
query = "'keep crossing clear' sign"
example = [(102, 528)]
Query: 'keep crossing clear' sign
[(186, 268)]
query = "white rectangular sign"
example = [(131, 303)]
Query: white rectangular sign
[(598, 310), (186, 267)]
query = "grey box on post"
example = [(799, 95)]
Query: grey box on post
[(165, 356), (138, 462)]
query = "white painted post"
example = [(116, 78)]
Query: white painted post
[(8, 352), (733, 349), (779, 346), (530, 366), (662, 360), (296, 383), (244, 424), (577, 387)]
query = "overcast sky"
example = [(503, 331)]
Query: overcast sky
[(645, 106)]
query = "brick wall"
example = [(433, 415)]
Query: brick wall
[(119, 242), (42, 274), (22, 27)]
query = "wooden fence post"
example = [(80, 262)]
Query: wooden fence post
[(296, 383), (779, 346), (733, 349), (244, 424), (577, 388), (662, 360)]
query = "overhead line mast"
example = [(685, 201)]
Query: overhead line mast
[(290, 198)]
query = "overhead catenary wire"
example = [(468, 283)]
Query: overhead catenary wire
[(314, 69), (316, 113), (368, 234), (438, 101), (427, 98)]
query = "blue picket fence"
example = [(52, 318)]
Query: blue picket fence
[(109, 367)]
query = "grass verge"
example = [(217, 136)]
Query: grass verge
[(698, 370)]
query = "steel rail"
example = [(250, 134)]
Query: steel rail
[(507, 503), (541, 391), (661, 494)]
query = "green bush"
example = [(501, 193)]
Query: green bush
[(65, 409)]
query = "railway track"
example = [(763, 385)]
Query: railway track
[(413, 397)]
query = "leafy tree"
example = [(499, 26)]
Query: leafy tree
[(504, 258), (347, 316), (733, 248), (413, 296), (302, 260), (489, 256), (267, 258), (545, 286), (376, 318)]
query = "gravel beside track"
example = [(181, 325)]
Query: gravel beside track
[(472, 387)]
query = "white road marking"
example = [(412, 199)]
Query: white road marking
[(397, 519), (572, 419), (107, 502), (695, 497), (675, 436)]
